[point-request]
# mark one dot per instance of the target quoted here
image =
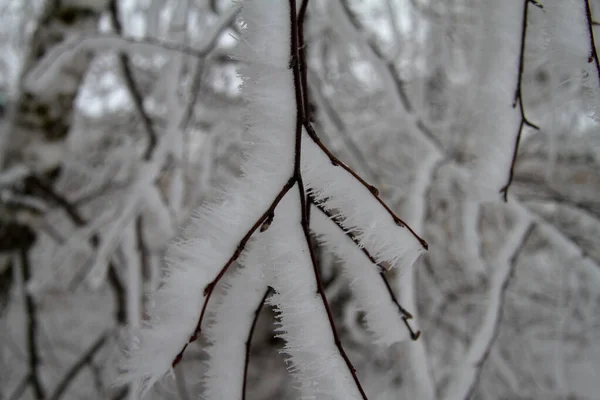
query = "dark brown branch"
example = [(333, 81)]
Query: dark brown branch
[(76, 368), (132, 88), (593, 57), (32, 328), (141, 246), (249, 340), (297, 25), (519, 99)]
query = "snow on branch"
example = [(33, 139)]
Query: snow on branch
[(385, 319), (230, 325), (304, 320), (361, 211), (499, 119), (282, 149)]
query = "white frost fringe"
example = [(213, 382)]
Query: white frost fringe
[(303, 323), (213, 234), (382, 316), (231, 317), (359, 211)]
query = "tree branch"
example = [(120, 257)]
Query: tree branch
[(468, 373), (519, 99), (32, 325), (132, 88), (593, 57), (249, 340)]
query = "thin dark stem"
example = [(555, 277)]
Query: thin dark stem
[(519, 99), (302, 60), (132, 88), (372, 189), (76, 368), (249, 339), (297, 23), (141, 246), (32, 329), (593, 57), (513, 163)]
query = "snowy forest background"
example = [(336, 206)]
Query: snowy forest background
[(118, 118)]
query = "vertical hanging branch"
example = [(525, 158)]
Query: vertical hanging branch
[(519, 98), (298, 63), (249, 340)]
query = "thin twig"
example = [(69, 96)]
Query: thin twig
[(297, 25), (132, 88), (593, 57), (372, 189), (31, 333), (519, 99), (405, 314), (208, 291), (249, 340)]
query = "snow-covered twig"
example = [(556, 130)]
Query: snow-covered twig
[(519, 98)]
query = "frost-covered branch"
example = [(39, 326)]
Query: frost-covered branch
[(284, 152), (593, 57)]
